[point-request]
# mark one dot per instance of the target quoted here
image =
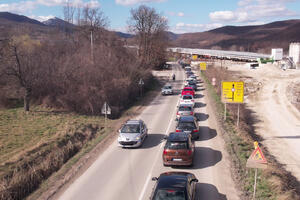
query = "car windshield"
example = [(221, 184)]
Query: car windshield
[(130, 128), (176, 145), (168, 87), (187, 97), (185, 108), (188, 89), (169, 194), (183, 125)]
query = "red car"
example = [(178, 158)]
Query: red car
[(188, 91)]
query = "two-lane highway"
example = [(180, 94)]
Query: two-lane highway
[(126, 173)]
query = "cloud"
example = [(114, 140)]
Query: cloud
[(20, 7), (132, 2), (51, 2), (180, 14), (42, 18), (188, 28), (251, 11), (27, 6)]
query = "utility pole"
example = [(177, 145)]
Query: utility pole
[(92, 52)]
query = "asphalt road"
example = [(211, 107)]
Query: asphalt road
[(126, 173)]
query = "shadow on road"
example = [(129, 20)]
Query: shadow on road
[(201, 116), (208, 192), (201, 89), (199, 105), (206, 157), (206, 133), (203, 157), (152, 140), (198, 96)]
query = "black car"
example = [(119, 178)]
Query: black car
[(188, 124), (175, 185), (193, 85)]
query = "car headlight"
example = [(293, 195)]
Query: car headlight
[(138, 138)]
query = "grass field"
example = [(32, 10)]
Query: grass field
[(21, 132)]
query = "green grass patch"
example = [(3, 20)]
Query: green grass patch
[(20, 131)]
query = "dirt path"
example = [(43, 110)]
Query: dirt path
[(278, 119)]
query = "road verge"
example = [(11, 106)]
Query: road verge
[(273, 183)]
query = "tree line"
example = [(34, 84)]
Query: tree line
[(80, 68)]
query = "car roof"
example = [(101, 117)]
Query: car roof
[(173, 180), (187, 88), (134, 122), (186, 118), (178, 137), (185, 105)]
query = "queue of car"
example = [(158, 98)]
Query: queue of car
[(179, 148)]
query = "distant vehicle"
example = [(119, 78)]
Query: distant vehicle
[(167, 89), (188, 74), (188, 90), (174, 186), (187, 100), (194, 77), (132, 133), (188, 68), (193, 85), (178, 150), (188, 124), (184, 110), (190, 79)]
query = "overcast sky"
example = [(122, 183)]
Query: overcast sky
[(183, 15)]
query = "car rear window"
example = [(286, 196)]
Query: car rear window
[(176, 145), (185, 108), (169, 194), (187, 97), (167, 87), (182, 125), (187, 89), (131, 128)]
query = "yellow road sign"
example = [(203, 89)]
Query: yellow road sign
[(194, 57), (233, 92), (203, 66)]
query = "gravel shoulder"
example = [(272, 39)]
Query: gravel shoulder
[(273, 95)]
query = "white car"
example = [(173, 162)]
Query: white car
[(167, 89), (187, 100)]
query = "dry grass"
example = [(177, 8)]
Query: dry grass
[(38, 143)]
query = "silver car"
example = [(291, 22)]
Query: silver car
[(132, 133), (167, 89), (184, 110)]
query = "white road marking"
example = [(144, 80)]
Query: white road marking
[(157, 155)]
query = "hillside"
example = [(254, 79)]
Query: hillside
[(244, 38)]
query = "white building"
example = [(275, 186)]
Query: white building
[(277, 54), (294, 52)]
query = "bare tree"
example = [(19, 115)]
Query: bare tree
[(150, 28), (69, 11), (21, 61)]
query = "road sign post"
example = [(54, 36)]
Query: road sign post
[(141, 84), (106, 111), (233, 92)]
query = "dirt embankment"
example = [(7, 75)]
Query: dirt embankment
[(276, 182), (293, 94), (26, 174)]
